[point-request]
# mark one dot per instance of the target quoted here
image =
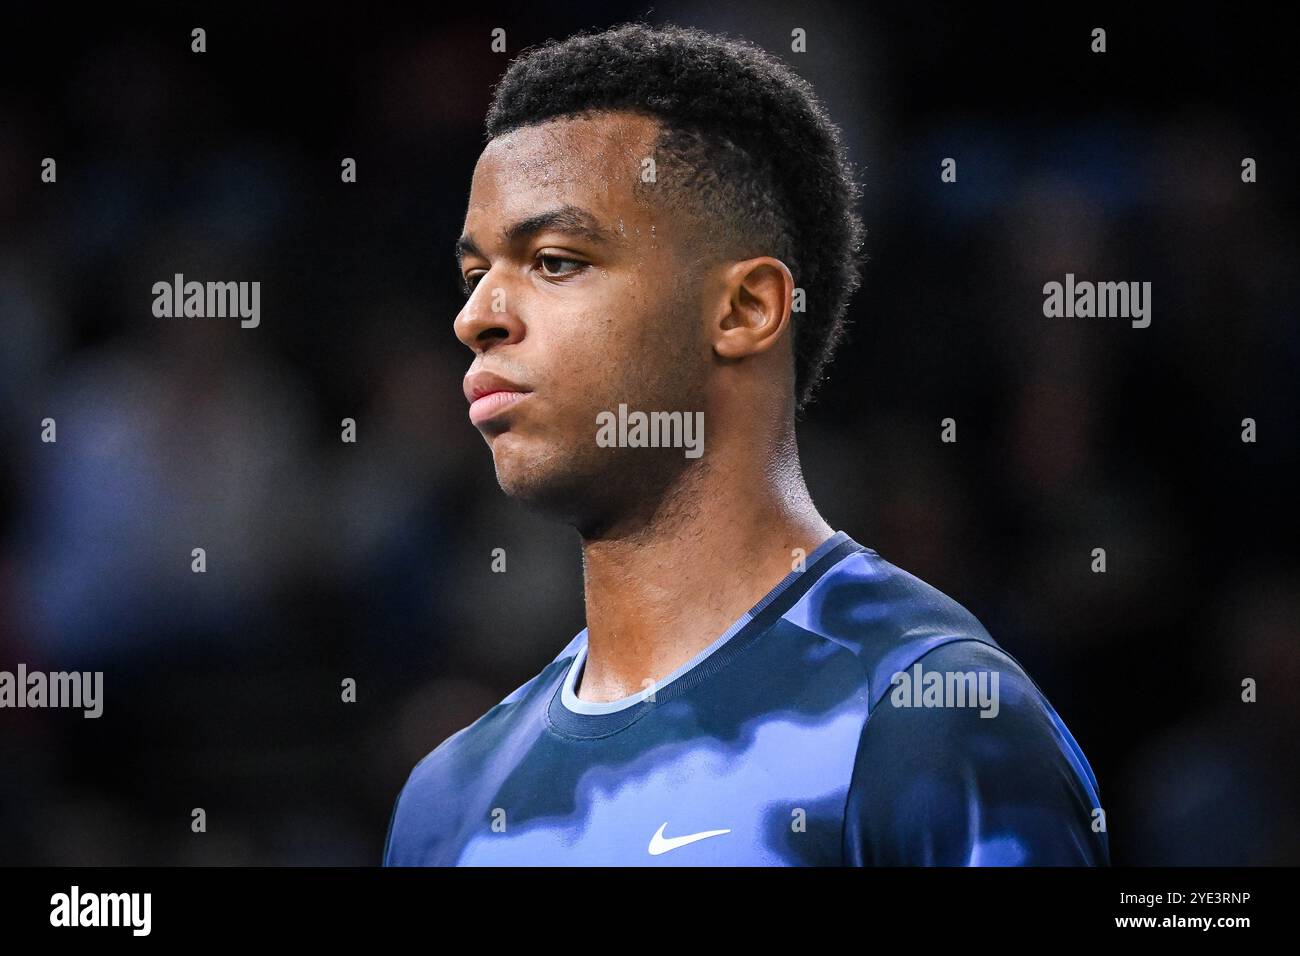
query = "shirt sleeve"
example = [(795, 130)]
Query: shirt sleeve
[(945, 786)]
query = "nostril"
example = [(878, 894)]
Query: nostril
[(496, 332)]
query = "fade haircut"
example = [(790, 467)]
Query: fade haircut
[(745, 149)]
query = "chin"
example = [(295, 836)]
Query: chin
[(525, 469), (547, 478)]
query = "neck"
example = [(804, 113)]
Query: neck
[(662, 589)]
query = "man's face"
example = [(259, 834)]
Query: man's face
[(591, 304)]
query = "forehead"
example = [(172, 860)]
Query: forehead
[(593, 161)]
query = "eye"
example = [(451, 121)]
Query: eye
[(469, 283), (548, 261)]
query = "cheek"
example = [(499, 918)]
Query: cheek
[(628, 346), (590, 356), (579, 380)]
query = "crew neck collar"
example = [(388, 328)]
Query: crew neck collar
[(573, 716)]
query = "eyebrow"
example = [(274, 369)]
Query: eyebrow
[(568, 218)]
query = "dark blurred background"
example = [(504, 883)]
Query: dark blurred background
[(372, 560)]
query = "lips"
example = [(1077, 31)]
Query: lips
[(489, 394)]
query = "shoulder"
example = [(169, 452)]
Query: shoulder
[(961, 760), (451, 767), (540, 684), (964, 762), (884, 616), (496, 719)]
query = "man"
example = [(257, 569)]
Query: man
[(752, 688)]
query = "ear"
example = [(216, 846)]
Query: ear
[(754, 310)]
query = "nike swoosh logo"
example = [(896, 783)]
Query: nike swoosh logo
[(661, 844)]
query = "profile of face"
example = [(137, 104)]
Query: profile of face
[(583, 297)]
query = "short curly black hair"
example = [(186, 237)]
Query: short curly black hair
[(756, 155)]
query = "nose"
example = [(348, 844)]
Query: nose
[(488, 318)]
